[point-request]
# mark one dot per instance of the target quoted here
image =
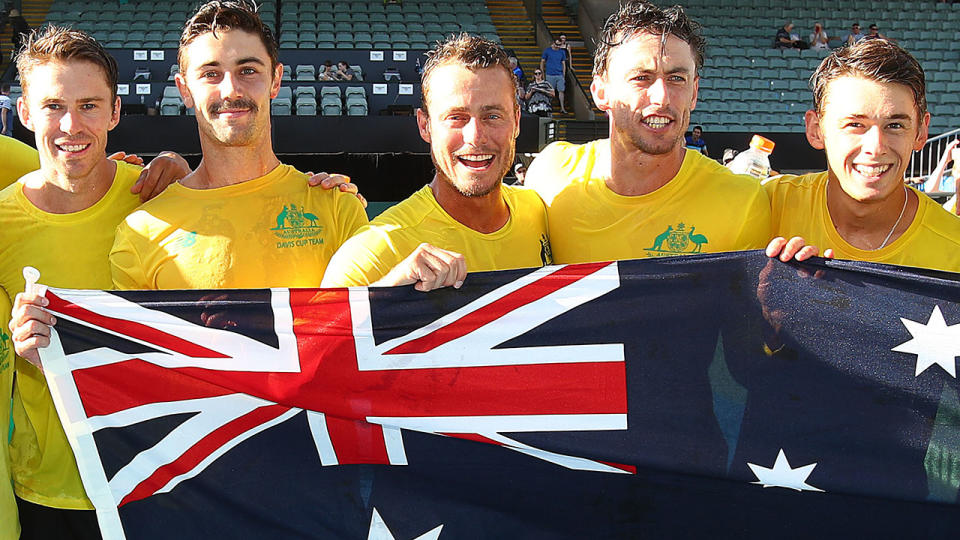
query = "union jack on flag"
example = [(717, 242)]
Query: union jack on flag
[(237, 363)]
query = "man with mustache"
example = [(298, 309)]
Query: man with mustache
[(641, 193), (242, 218), (466, 216)]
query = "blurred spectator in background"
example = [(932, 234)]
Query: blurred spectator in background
[(696, 142), (327, 72), (520, 170), (819, 39), (855, 34), (938, 182), (344, 72), (19, 30), (553, 64), (566, 48), (517, 70), (786, 40), (6, 111), (539, 95), (875, 33)]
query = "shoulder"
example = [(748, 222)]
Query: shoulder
[(939, 221), (555, 164), (522, 196), (408, 213), (786, 184)]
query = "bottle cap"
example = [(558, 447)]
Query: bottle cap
[(762, 143)]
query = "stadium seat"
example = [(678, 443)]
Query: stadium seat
[(304, 91), (170, 102), (306, 72), (358, 70), (286, 73), (357, 106), (283, 103), (331, 106), (306, 106)]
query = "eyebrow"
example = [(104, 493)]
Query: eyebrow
[(898, 116), (242, 61)]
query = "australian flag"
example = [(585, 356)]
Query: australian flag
[(726, 395)]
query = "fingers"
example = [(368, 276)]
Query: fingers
[(828, 253), (363, 200), (162, 171), (428, 268), (775, 246), (348, 188), (795, 248), (117, 156)]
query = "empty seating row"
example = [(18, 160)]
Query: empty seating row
[(418, 24), (303, 100)]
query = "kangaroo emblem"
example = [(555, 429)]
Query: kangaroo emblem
[(281, 218), (658, 241)]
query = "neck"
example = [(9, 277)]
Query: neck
[(55, 193), (223, 166), (485, 214), (870, 225), (633, 172)]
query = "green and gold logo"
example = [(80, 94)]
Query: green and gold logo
[(677, 241), (297, 227), (5, 346), (546, 255)]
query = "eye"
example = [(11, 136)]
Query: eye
[(209, 75), (88, 106), (248, 71), (895, 125), (52, 106)]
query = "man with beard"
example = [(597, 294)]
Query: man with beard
[(466, 216), (641, 193), (242, 218)]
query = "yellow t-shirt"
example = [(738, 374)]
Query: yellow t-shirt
[(9, 524), (799, 208), (16, 160), (394, 234), (70, 250), (272, 231), (704, 209)]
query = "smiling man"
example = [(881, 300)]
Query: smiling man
[(466, 217), (242, 219), (870, 114), (641, 193), (61, 219)]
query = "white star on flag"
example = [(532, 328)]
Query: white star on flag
[(934, 343), (782, 475), (380, 531)]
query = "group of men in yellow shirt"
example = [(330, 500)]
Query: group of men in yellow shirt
[(243, 219)]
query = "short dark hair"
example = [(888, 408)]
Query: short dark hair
[(874, 59), (473, 52), (228, 15), (697, 127), (59, 43), (638, 16), (5, 87)]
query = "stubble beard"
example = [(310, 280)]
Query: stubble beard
[(475, 189)]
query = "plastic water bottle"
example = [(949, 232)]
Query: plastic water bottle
[(755, 161)]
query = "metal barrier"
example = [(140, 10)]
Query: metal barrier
[(925, 160)]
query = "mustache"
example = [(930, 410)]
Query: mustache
[(242, 103)]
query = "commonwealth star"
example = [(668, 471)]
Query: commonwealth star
[(934, 343), (782, 475)]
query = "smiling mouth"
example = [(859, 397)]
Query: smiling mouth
[(476, 161), (871, 171), (73, 148), (656, 122)]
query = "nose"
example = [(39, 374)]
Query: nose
[(873, 141), (69, 123), (473, 132), (657, 92), (229, 87)]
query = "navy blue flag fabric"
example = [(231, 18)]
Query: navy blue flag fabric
[(726, 395)]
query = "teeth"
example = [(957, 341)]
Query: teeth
[(871, 170), (656, 121), (72, 147), (478, 157)]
